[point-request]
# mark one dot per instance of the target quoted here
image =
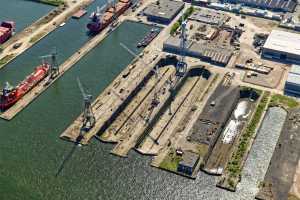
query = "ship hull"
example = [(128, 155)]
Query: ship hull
[(97, 27), (24, 87), (6, 30)]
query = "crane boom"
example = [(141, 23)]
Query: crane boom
[(81, 88)]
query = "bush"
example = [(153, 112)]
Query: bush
[(234, 165), (186, 14)]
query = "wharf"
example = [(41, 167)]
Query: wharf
[(43, 85)]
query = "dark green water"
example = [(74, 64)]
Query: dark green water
[(23, 12)]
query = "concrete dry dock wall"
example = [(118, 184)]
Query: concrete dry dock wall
[(116, 113), (161, 111), (168, 103)]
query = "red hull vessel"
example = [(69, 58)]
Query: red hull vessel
[(11, 95), (97, 24), (6, 30)]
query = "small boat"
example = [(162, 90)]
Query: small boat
[(62, 24)]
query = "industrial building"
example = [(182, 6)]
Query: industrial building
[(163, 11), (283, 46), (209, 16), (188, 163), (275, 5), (292, 84), (205, 50)]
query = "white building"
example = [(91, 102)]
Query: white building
[(283, 46), (292, 84)]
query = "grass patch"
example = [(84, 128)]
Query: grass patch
[(171, 161), (186, 14), (285, 101), (234, 165), (6, 59)]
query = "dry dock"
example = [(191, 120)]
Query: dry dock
[(182, 108), (113, 98), (141, 118)]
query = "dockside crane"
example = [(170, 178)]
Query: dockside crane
[(88, 118), (54, 69), (181, 67)]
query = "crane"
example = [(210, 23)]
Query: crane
[(54, 69), (181, 66), (88, 118)]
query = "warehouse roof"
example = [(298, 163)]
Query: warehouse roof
[(165, 8), (189, 159), (293, 79), (283, 41), (295, 69), (284, 5)]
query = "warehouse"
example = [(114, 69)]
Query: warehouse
[(292, 84), (163, 11), (275, 5), (283, 46), (209, 17), (207, 51)]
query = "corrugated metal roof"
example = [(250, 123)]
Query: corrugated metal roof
[(295, 69), (293, 79), (283, 41)]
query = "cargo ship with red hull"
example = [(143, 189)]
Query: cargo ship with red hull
[(100, 20), (10, 95), (6, 30)]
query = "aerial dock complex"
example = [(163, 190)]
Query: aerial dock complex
[(205, 84)]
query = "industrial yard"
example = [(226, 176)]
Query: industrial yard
[(205, 90)]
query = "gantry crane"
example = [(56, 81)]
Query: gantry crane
[(54, 69), (181, 67), (88, 118)]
